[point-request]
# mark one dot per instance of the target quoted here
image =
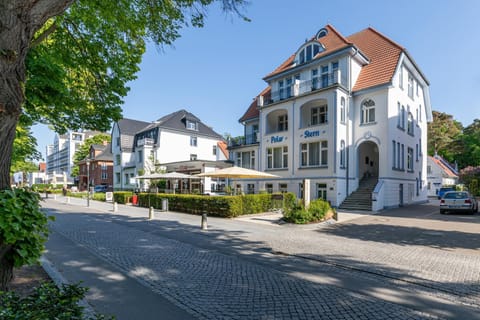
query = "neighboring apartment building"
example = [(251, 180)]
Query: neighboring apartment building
[(349, 114), (439, 173), (178, 138), (99, 168), (60, 155)]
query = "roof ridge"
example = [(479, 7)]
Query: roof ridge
[(338, 33)]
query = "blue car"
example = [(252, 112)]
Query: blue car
[(444, 190)]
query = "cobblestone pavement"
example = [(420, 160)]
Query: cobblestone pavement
[(241, 270)]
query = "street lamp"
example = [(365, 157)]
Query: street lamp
[(88, 182)]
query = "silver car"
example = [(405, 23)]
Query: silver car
[(458, 201)]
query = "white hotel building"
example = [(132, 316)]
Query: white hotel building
[(348, 113)]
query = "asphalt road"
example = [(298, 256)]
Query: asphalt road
[(407, 263)]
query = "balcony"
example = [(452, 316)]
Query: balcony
[(301, 87), (145, 142), (244, 140)]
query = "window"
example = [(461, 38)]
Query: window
[(250, 188), (314, 154), (308, 52), (269, 187), (283, 122), (409, 159), (400, 78), (246, 159), (117, 159), (281, 89), (118, 141), (429, 169), (394, 165), (314, 79), (324, 70), (193, 141), (342, 110), (403, 156), (193, 157), (368, 112), (416, 152), (410, 85), (420, 113), (401, 117), (127, 181), (104, 166), (410, 124), (192, 125), (140, 155), (282, 187), (288, 89), (214, 150), (322, 191), (342, 154), (319, 115), (117, 178), (277, 158)]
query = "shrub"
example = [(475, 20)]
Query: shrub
[(319, 210), (122, 197), (46, 302)]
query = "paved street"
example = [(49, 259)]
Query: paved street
[(408, 263)]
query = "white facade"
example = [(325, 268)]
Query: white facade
[(439, 174), (322, 121), (60, 154)]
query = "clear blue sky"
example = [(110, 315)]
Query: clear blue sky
[(215, 72)]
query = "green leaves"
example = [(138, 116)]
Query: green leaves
[(23, 226)]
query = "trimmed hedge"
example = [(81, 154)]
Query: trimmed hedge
[(218, 206), (122, 197)]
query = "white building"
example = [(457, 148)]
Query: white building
[(349, 114), (439, 173), (60, 155), (142, 148)]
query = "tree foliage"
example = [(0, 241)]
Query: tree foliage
[(444, 136), (84, 149), (24, 150)]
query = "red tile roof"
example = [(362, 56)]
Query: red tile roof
[(223, 146), (383, 54), (445, 169), (252, 111)]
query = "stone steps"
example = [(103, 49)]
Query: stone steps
[(361, 199)]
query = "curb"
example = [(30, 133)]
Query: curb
[(58, 279)]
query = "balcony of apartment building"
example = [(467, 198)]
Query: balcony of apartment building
[(242, 141), (303, 87), (145, 142)]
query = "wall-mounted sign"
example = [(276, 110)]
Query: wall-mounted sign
[(312, 133), (276, 139)]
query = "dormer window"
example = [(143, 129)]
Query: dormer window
[(308, 52), (192, 125)]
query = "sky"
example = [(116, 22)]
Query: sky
[(215, 72)]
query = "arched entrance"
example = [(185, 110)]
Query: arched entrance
[(368, 160)]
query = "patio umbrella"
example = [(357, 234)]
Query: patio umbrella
[(237, 173)]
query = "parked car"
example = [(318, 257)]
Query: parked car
[(444, 190), (100, 188), (459, 201)]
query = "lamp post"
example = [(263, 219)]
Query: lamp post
[(88, 182)]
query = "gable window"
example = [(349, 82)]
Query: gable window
[(410, 85), (368, 112), (283, 122), (319, 115), (308, 52), (193, 141), (277, 158), (342, 110), (314, 154), (192, 125)]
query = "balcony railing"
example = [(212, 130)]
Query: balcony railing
[(301, 87), (244, 140), (145, 142)]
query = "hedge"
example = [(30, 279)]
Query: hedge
[(218, 206)]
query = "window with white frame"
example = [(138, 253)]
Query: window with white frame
[(416, 152), (283, 187), (400, 78), (319, 115), (277, 158), (324, 76), (193, 157), (126, 178), (250, 188), (322, 191), (269, 187), (281, 89), (342, 154), (140, 156), (409, 159), (246, 159), (410, 85), (314, 154), (288, 89), (410, 124), (117, 159), (117, 178), (118, 141), (342, 110), (401, 117), (368, 112), (283, 122), (394, 155), (104, 175), (214, 150), (193, 141), (314, 79), (192, 125)]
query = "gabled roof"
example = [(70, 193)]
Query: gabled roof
[(130, 126), (222, 145), (384, 55), (177, 121), (106, 154), (252, 111), (444, 166)]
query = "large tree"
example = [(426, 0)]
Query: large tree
[(444, 136), (66, 63)]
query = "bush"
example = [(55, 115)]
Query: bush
[(122, 197), (319, 210), (46, 302)]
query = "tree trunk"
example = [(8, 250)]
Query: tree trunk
[(19, 20)]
